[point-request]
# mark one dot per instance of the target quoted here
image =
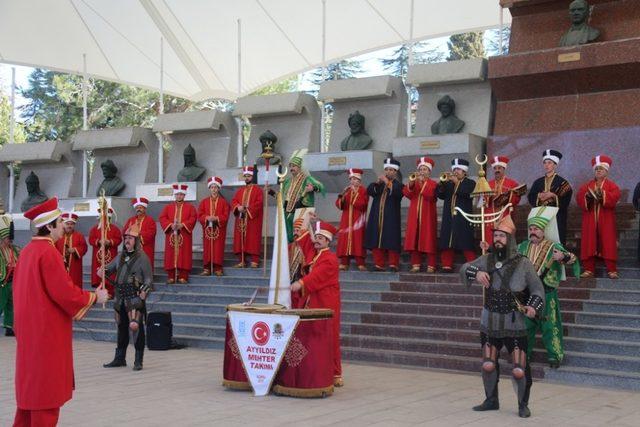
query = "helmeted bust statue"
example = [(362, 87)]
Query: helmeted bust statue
[(448, 123), (191, 171), (111, 183), (268, 142), (359, 138), (35, 196), (580, 32)]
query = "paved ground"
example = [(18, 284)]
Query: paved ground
[(182, 388)]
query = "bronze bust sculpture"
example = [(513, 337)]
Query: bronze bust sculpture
[(35, 196), (191, 171), (448, 123), (111, 184), (359, 138), (580, 32), (268, 141)]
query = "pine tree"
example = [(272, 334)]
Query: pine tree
[(466, 46), (345, 69), (398, 63)]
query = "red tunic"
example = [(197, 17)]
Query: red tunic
[(352, 223), (321, 289), (183, 213), (213, 238), (250, 197), (114, 236), (505, 185), (73, 262), (599, 236), (45, 302), (422, 222), (147, 227)]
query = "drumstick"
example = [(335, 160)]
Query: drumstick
[(260, 289)]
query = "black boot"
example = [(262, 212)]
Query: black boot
[(119, 359), (137, 365), (489, 404), (8, 332), (523, 410)]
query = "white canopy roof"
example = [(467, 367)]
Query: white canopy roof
[(279, 38)]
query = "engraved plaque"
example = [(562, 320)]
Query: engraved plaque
[(165, 191), (430, 145), (337, 161), (569, 57), (81, 207)]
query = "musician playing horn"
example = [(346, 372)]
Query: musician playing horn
[(422, 223)]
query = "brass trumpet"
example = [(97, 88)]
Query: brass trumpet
[(413, 176), (445, 176)]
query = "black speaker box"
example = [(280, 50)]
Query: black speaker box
[(159, 330)]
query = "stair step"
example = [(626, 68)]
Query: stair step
[(594, 377)]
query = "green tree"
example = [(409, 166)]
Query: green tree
[(398, 63), (345, 69), (5, 119), (284, 86), (466, 46), (493, 41), (54, 105)]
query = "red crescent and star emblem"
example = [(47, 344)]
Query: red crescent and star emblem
[(260, 333)]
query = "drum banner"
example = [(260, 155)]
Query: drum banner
[(262, 342)]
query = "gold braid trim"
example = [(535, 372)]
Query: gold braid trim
[(303, 392)]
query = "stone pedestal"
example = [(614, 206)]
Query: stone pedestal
[(441, 148), (331, 168), (57, 166), (213, 135), (293, 117), (580, 100), (465, 81), (134, 151), (381, 100)]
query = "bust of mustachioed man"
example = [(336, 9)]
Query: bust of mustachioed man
[(448, 123), (580, 32), (359, 139), (111, 183)]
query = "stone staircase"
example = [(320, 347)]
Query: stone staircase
[(426, 320)]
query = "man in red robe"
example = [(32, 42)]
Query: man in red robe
[(112, 240), (72, 246), (146, 225), (506, 190), (321, 285), (598, 199), (353, 202), (177, 220), (422, 224), (248, 206), (44, 357), (213, 215)]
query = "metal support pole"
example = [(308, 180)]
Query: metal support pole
[(410, 63), (161, 111), (501, 41), (85, 126), (12, 177), (240, 133), (323, 119)]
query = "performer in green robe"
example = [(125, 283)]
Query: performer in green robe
[(298, 190), (549, 259), (8, 258)]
